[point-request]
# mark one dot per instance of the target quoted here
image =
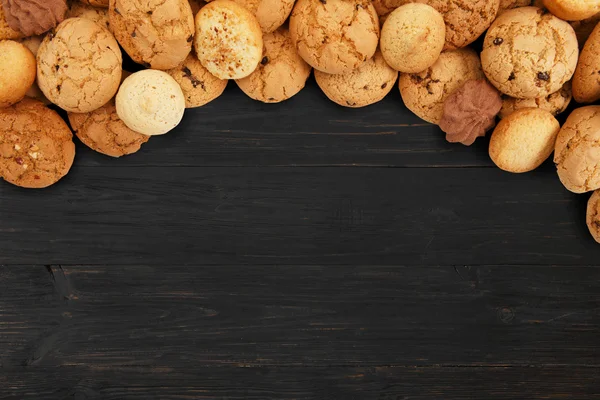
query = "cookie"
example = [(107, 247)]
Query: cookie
[(103, 131), (6, 32), (335, 36), (413, 37), (528, 53), (466, 20), (385, 7), (592, 216), (96, 3), (424, 93), (33, 44), (150, 102), (17, 72), (271, 14), (79, 66), (577, 154), (509, 4), (36, 145), (157, 35), (96, 14), (573, 10), (583, 29), (228, 40), (524, 140), (199, 86), (34, 17), (555, 104), (586, 81), (281, 74), (366, 85)]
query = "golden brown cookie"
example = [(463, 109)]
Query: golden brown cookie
[(583, 29), (281, 74), (6, 32), (271, 14), (555, 104), (592, 217), (33, 44), (17, 72), (524, 140), (96, 3), (577, 154), (79, 66), (335, 36), (157, 35), (96, 14), (36, 145), (586, 81), (413, 37), (425, 93), (103, 131), (528, 53), (366, 85), (199, 86), (509, 4), (228, 40), (573, 10)]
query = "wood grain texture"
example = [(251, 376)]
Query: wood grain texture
[(307, 130), (187, 215), (189, 317)]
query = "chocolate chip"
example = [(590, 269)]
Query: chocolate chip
[(498, 41), (265, 60), (149, 12), (57, 67), (416, 78), (58, 87), (543, 76), (366, 87), (190, 38), (512, 76), (384, 85), (133, 34)]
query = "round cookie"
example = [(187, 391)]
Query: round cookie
[(199, 86), (271, 14), (592, 216), (555, 104), (366, 85), (6, 32), (524, 140), (33, 43), (573, 10), (528, 53), (509, 4), (96, 3), (157, 35), (425, 93), (586, 81), (79, 66), (335, 36), (583, 29), (228, 40), (96, 14), (17, 72), (103, 131), (466, 20), (36, 145), (150, 102), (282, 73), (413, 37), (577, 154), (385, 7)]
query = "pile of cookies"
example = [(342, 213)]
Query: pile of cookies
[(537, 56)]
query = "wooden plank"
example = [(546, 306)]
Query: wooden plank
[(306, 130), (169, 317), (192, 382), (153, 215)]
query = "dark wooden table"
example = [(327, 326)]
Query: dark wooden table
[(298, 251)]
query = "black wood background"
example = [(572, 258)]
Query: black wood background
[(298, 251)]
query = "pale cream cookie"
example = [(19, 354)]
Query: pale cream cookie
[(573, 10), (271, 14), (17, 72)]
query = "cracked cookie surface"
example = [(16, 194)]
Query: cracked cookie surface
[(271, 14), (103, 131), (17, 72), (96, 14), (577, 151), (36, 145), (555, 104), (366, 85), (509, 4), (155, 33), (529, 53), (281, 74), (96, 3), (424, 93), (228, 40), (79, 65), (199, 86), (335, 36)]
